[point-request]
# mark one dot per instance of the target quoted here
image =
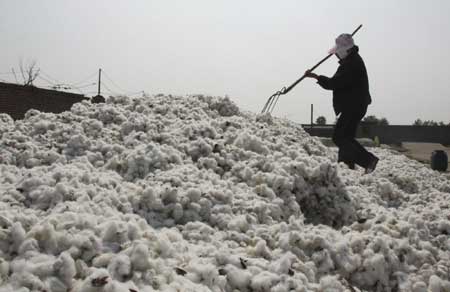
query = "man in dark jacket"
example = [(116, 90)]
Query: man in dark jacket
[(351, 98)]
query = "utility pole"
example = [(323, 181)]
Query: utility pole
[(312, 108), (99, 80)]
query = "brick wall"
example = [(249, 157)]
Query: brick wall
[(391, 134), (16, 100)]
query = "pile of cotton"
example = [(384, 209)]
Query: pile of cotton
[(169, 193)]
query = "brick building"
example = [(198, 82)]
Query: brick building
[(16, 100)]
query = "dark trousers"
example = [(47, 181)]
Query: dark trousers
[(350, 151)]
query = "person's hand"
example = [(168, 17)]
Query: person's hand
[(310, 74)]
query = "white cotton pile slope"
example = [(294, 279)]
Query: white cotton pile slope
[(192, 194)]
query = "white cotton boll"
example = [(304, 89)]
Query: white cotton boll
[(204, 273), (115, 233), (140, 257), (206, 205), (239, 223), (45, 234), (264, 191), (96, 282), (222, 196), (199, 148), (56, 285), (445, 286), (347, 261), (264, 281), (164, 247), (5, 243), (194, 195), (444, 226), (120, 267), (148, 198), (115, 286), (169, 195), (102, 260), (280, 287), (173, 235), (375, 267), (9, 288), (330, 284), (283, 263), (42, 126), (246, 174), (177, 212), (41, 267), (5, 222), (238, 279), (209, 163), (225, 107), (252, 143), (434, 284), (18, 266), (77, 145), (28, 280), (28, 245), (144, 289), (134, 232), (419, 287), (4, 270), (82, 269), (261, 250), (323, 261), (86, 246), (18, 235), (65, 268)]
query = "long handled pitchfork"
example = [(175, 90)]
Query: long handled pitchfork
[(273, 99)]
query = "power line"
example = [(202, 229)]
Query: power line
[(121, 89), (61, 86), (55, 84), (48, 81), (86, 79), (85, 85), (50, 77), (112, 82), (110, 91), (65, 86)]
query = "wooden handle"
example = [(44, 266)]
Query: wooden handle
[(315, 66)]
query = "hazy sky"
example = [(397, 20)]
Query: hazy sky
[(244, 49)]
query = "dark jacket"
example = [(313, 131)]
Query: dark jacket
[(350, 84)]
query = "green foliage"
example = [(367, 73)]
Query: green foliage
[(374, 120), (321, 120), (419, 122)]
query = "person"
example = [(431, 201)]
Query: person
[(351, 97)]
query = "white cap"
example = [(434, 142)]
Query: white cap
[(344, 42)]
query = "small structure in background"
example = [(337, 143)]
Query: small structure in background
[(16, 100), (98, 99), (439, 160)]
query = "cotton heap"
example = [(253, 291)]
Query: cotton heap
[(190, 193)]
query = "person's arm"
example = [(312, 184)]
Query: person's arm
[(341, 80)]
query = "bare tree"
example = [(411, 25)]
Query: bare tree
[(29, 72)]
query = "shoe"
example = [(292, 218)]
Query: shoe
[(372, 165)]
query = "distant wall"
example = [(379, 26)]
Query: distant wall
[(391, 134), (16, 100)]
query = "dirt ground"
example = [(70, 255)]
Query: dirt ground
[(422, 151)]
